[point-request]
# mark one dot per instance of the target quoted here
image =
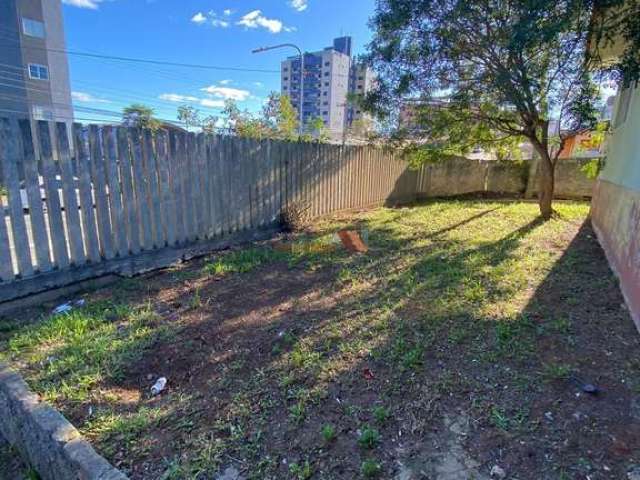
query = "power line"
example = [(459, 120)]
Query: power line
[(147, 60), (154, 61), (121, 97), (81, 109)]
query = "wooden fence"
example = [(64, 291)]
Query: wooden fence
[(85, 201)]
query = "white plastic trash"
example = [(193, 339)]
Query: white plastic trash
[(159, 386), (63, 308)]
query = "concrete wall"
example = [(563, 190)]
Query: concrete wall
[(50, 444), (571, 181), (461, 176), (615, 208)]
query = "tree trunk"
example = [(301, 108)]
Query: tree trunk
[(546, 187)]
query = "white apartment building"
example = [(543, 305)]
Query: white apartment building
[(329, 77)]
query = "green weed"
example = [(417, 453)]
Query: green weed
[(556, 371), (381, 414), (301, 472), (328, 433), (369, 437), (370, 469)]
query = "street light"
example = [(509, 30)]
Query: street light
[(291, 45)]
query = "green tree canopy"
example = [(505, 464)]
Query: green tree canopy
[(506, 68), (141, 116)]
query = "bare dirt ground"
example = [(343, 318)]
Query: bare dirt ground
[(458, 347)]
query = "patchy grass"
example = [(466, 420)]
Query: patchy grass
[(241, 261), (465, 324)]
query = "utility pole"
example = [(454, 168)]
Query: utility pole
[(291, 45)]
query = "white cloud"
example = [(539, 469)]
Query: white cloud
[(258, 84), (178, 98), (175, 97), (255, 19), (299, 5), (92, 4), (199, 18), (227, 12), (227, 93), (211, 17), (216, 22), (84, 97), (208, 102), (225, 82)]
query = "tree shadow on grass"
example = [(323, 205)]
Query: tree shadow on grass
[(425, 331)]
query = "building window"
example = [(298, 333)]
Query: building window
[(326, 64), (326, 84), (38, 72), (285, 87), (325, 103), (285, 69), (32, 28), (41, 113), (326, 74), (324, 94)]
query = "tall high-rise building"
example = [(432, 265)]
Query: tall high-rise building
[(329, 77), (34, 70)]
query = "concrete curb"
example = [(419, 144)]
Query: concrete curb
[(44, 438)]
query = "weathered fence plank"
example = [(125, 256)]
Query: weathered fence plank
[(99, 185), (141, 189), (206, 174), (131, 223), (76, 246), (196, 186), (34, 197), (116, 210), (175, 174), (220, 185), (168, 204), (189, 189), (54, 210), (10, 152), (83, 161), (6, 266), (153, 189)]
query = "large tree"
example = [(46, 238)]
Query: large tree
[(505, 67)]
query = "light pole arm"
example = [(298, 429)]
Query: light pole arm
[(291, 45), (274, 47)]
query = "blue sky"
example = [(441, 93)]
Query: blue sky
[(211, 32)]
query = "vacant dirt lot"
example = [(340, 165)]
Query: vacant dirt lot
[(459, 345)]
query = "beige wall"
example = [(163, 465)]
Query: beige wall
[(464, 176)]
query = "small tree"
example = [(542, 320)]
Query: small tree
[(316, 129), (141, 116), (209, 124), (507, 67), (189, 115), (242, 123), (280, 116)]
